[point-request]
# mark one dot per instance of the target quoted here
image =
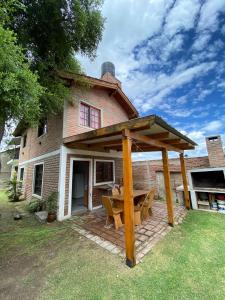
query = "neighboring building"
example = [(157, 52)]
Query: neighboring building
[(78, 152), (150, 173), (9, 159)]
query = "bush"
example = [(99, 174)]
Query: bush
[(34, 205), (14, 190), (51, 203)]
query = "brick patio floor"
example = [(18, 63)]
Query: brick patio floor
[(92, 226)]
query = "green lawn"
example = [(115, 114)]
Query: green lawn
[(54, 262)]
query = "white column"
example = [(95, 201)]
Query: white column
[(62, 182)]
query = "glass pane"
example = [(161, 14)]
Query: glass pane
[(38, 179), (95, 118), (104, 171), (84, 115)]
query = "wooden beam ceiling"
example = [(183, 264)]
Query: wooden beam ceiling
[(150, 141)]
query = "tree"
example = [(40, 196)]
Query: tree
[(53, 32), (19, 87)]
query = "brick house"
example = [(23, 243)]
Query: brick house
[(67, 153), (48, 166)]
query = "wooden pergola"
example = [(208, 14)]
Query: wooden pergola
[(149, 134)]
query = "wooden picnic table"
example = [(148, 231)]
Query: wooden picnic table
[(138, 195)]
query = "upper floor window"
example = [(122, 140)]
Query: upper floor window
[(24, 140), (90, 116), (43, 127)]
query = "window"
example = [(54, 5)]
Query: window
[(104, 171), (38, 176), (21, 174), (90, 116), (24, 140), (42, 128)]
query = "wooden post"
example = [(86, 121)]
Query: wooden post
[(184, 178), (169, 196), (128, 203)]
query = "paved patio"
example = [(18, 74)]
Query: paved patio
[(92, 226)]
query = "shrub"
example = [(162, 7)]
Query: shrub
[(14, 190), (51, 203), (34, 205)]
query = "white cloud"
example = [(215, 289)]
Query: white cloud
[(201, 41), (223, 29), (128, 23), (213, 126), (182, 16), (154, 90), (209, 14), (156, 30)]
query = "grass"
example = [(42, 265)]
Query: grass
[(188, 264)]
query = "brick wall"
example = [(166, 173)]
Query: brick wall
[(48, 142), (215, 151), (111, 110), (145, 172), (50, 176)]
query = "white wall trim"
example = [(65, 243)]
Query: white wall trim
[(114, 172), (72, 159), (64, 151), (211, 169), (62, 183), (53, 153), (94, 153)]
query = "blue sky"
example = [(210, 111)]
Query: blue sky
[(170, 57)]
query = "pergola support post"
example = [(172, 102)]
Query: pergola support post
[(169, 197), (185, 184), (128, 203)]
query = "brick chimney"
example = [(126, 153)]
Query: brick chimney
[(215, 151), (108, 73)]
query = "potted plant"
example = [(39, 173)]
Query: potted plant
[(51, 206)]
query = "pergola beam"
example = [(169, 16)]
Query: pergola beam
[(185, 184), (157, 136), (167, 183), (150, 141)]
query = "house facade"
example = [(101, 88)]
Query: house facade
[(80, 176)]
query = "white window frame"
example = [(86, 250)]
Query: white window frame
[(94, 106), (90, 204), (43, 134), (19, 173), (106, 182), (33, 194)]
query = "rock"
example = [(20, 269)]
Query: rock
[(41, 216), (17, 217)]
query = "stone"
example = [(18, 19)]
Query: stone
[(17, 217), (41, 216)]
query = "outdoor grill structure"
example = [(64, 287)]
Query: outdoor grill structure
[(207, 185)]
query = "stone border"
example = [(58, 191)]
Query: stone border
[(99, 241)]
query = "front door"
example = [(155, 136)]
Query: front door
[(80, 185)]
